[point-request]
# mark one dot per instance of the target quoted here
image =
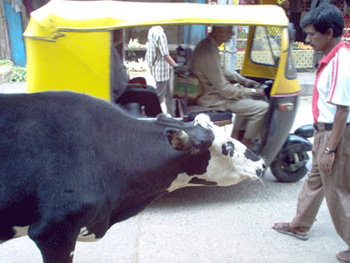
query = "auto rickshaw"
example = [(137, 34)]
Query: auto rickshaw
[(68, 46)]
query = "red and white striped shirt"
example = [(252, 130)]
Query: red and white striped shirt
[(332, 85)]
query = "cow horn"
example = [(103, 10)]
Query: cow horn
[(204, 121)]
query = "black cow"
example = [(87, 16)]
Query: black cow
[(71, 166)]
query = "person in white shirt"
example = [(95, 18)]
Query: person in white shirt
[(160, 61), (329, 177)]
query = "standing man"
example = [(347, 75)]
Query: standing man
[(159, 61), (220, 88), (329, 176)]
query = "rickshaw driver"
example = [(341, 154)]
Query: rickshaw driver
[(221, 89)]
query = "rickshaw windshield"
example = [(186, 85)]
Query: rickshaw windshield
[(266, 48)]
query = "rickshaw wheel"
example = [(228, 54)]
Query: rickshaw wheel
[(284, 168)]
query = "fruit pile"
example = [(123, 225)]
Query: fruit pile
[(297, 45), (241, 44), (346, 33)]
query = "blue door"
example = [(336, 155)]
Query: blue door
[(14, 22)]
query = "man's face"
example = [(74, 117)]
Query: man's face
[(320, 42)]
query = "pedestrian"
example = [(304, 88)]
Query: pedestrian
[(160, 61), (225, 90), (329, 176)]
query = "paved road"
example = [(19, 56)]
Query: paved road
[(208, 225)]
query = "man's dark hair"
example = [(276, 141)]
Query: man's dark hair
[(324, 17)]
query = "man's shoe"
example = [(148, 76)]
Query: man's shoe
[(284, 228)]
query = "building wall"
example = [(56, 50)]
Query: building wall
[(4, 43)]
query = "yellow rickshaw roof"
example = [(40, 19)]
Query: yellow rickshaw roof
[(48, 21)]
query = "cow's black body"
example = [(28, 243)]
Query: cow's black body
[(68, 161), (72, 165)]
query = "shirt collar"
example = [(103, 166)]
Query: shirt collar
[(330, 56)]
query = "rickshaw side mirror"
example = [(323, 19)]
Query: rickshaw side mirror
[(291, 33)]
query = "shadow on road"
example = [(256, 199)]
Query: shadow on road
[(245, 192)]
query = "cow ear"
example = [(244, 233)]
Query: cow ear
[(178, 139), (228, 149)]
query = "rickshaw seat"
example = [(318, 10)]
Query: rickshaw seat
[(131, 99), (139, 81), (219, 118)]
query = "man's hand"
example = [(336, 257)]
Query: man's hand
[(326, 163), (260, 92), (339, 124), (250, 83)]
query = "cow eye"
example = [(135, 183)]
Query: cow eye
[(228, 149)]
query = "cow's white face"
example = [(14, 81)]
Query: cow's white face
[(230, 161)]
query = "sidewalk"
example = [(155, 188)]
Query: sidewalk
[(306, 80), (13, 87)]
